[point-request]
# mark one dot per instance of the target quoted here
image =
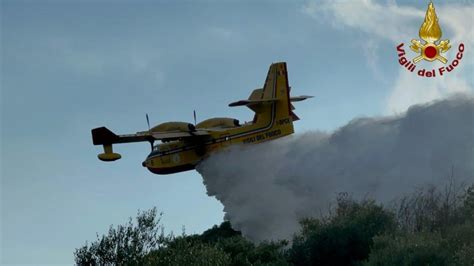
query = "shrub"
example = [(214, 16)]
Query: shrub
[(187, 251), (409, 249), (124, 245), (343, 239)]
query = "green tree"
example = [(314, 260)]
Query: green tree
[(187, 250), (343, 239), (433, 208), (126, 244), (243, 252), (469, 204), (465, 255), (431, 227), (240, 250), (444, 234), (216, 233), (409, 249), (220, 245)]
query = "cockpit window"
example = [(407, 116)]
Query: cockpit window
[(160, 149)]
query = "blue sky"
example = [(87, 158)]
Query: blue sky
[(70, 66)]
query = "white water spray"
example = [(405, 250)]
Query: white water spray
[(267, 188)]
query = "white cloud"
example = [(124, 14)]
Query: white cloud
[(389, 22), (410, 89)]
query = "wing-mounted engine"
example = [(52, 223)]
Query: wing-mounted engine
[(173, 126), (219, 122)]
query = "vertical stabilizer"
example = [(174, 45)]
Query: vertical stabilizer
[(275, 94)]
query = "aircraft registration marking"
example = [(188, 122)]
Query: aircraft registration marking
[(283, 121)]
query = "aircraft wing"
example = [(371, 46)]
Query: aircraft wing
[(179, 134), (103, 136)]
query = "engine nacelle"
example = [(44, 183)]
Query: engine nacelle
[(173, 126), (219, 122)]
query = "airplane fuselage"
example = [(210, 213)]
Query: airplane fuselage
[(177, 156), (184, 145)]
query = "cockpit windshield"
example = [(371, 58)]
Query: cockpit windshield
[(164, 148)]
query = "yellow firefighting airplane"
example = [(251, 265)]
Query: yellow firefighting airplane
[(184, 145)]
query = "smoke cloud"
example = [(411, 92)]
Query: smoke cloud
[(267, 188)]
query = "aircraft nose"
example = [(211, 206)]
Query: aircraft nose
[(144, 164)]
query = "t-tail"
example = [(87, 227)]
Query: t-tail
[(272, 103)]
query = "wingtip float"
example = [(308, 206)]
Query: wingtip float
[(183, 145)]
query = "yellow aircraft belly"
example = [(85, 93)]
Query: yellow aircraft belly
[(179, 160)]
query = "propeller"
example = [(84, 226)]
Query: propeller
[(148, 122), (194, 112)]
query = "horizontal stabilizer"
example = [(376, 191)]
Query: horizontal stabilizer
[(300, 98), (251, 102)]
